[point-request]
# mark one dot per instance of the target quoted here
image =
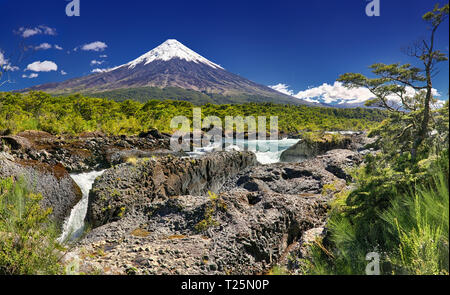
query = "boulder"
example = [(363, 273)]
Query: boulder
[(15, 142), (136, 185), (314, 144), (58, 189), (153, 133), (116, 156)]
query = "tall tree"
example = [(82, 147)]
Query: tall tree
[(405, 90)]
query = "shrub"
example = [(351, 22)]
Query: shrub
[(408, 225), (27, 237), (420, 223)]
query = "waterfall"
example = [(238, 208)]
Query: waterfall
[(74, 225)]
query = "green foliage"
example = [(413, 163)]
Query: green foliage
[(27, 238), (278, 271), (76, 114), (412, 117), (400, 206), (419, 221), (404, 217), (215, 203), (321, 136)]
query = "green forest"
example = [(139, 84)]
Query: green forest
[(76, 114)]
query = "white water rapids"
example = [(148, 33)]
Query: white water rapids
[(74, 225), (266, 151)]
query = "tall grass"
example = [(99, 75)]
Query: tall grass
[(27, 238), (420, 223), (410, 234)]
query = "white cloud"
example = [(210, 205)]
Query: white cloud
[(103, 56), (96, 62), (30, 76), (100, 70), (3, 60), (29, 32), (45, 66), (438, 104), (58, 47), (311, 100), (5, 65), (43, 46), (94, 46), (63, 73), (39, 30), (338, 94), (11, 68), (283, 88)]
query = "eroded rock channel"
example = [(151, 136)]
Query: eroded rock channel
[(162, 213)]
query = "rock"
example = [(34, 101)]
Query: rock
[(243, 238), (33, 135), (153, 133), (58, 189), (16, 142), (292, 261), (87, 152), (115, 156), (258, 218), (338, 162), (318, 144), (304, 178), (92, 134), (135, 186)]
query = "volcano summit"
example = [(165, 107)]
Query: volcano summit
[(170, 71)]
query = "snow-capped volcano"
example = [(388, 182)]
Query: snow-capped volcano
[(175, 66), (169, 50)]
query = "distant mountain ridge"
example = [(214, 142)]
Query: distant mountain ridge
[(171, 65)]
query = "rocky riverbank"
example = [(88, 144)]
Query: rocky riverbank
[(156, 212), (253, 220), (86, 152)]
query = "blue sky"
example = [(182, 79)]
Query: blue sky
[(300, 44)]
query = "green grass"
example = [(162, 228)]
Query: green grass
[(420, 223)]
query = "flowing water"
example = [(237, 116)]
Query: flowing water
[(266, 151), (74, 225)]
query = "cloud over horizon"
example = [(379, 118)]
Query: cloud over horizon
[(337, 93), (97, 70), (283, 88)]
